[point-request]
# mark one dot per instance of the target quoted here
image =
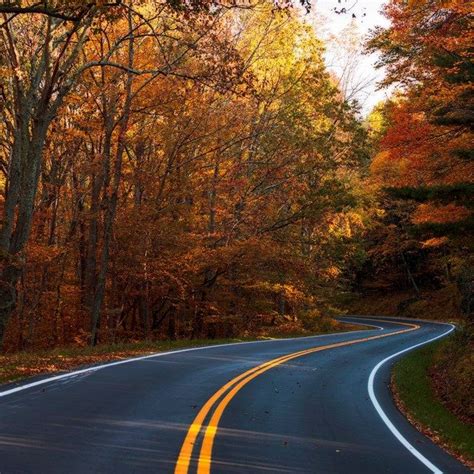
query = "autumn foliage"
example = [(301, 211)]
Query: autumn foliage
[(192, 170), (423, 159), (194, 175)]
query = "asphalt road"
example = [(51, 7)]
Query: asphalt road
[(308, 414)]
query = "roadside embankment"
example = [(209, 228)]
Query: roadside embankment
[(434, 388)]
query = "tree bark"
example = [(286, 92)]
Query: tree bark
[(111, 207)]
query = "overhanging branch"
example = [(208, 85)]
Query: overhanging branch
[(73, 13)]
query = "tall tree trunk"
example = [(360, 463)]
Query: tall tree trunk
[(25, 167), (90, 249), (410, 277), (213, 198), (111, 208)]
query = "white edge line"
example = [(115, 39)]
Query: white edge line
[(161, 354), (385, 418)]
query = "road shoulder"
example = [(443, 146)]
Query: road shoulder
[(415, 397), (31, 366)]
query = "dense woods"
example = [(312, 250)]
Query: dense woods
[(421, 250), (185, 170), (168, 174), (423, 160)]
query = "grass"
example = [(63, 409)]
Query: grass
[(417, 398), (19, 365)]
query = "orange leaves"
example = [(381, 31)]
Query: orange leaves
[(416, 152), (435, 242), (437, 214), (222, 177), (424, 159), (385, 170), (41, 254)]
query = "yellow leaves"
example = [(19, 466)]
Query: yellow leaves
[(376, 121), (345, 224), (291, 293), (333, 272), (3, 183), (279, 48)]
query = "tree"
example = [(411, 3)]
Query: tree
[(35, 87), (201, 177), (424, 157)]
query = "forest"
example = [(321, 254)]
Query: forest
[(184, 170), (196, 175)]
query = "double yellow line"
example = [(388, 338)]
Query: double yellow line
[(228, 392)]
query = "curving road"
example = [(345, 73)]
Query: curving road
[(310, 405)]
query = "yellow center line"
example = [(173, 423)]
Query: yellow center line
[(184, 458), (234, 386)]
